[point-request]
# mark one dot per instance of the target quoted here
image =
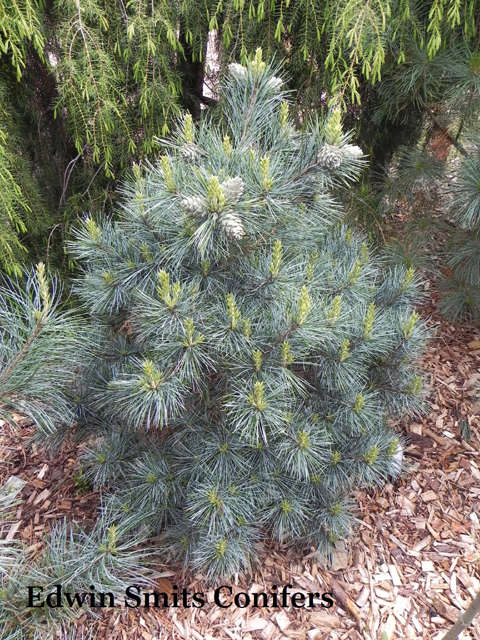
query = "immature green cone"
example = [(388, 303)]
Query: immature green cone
[(189, 151), (238, 71)]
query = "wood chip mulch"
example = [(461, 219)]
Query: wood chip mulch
[(411, 569)]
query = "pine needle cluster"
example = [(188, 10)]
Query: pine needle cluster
[(41, 351), (248, 350), (102, 559)]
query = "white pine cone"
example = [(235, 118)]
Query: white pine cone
[(397, 459), (352, 151), (233, 189), (238, 71), (232, 226), (194, 205), (275, 84), (189, 151), (330, 157)]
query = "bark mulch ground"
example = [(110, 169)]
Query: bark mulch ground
[(411, 569)]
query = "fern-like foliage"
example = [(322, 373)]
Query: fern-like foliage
[(16, 190), (21, 23), (116, 73)]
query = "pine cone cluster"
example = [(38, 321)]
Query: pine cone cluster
[(237, 71), (352, 151), (275, 84), (231, 224)]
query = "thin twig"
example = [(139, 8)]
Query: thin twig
[(67, 175), (48, 244), (464, 620)]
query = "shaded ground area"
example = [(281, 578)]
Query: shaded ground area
[(411, 569)]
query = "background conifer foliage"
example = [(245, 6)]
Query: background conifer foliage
[(86, 86), (248, 349)]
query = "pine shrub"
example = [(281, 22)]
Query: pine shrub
[(248, 348), (42, 350), (460, 299), (436, 176)]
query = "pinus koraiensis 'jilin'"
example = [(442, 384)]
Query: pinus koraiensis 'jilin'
[(249, 349)]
